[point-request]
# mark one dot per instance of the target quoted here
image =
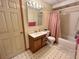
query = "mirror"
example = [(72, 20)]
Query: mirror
[(34, 17), (34, 14)]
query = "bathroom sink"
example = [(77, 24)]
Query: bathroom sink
[(37, 34)]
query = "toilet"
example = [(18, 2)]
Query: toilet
[(51, 39)]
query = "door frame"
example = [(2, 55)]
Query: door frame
[(22, 18)]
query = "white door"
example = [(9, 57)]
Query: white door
[(11, 38)]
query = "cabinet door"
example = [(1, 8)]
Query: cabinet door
[(37, 44)]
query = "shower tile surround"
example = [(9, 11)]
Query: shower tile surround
[(48, 52)]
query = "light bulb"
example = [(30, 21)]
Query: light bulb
[(39, 6), (33, 3), (28, 4)]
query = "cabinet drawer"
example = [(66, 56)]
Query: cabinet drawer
[(44, 40)]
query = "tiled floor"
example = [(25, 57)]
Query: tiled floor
[(49, 52)]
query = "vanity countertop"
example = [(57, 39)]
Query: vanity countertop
[(37, 34)]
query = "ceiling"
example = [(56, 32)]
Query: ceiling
[(53, 1)]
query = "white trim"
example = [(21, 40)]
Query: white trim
[(64, 3)]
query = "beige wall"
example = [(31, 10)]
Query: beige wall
[(46, 14), (69, 17), (64, 25)]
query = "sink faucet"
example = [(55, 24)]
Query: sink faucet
[(35, 31)]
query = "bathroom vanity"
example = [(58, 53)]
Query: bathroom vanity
[(37, 40)]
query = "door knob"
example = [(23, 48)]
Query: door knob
[(21, 32)]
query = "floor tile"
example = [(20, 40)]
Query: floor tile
[(49, 52)]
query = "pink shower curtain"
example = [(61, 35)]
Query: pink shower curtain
[(54, 24)]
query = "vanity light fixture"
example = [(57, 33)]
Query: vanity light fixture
[(34, 4)]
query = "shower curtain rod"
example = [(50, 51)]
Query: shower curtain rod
[(69, 5)]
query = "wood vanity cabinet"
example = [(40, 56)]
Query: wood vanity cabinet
[(37, 43)]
